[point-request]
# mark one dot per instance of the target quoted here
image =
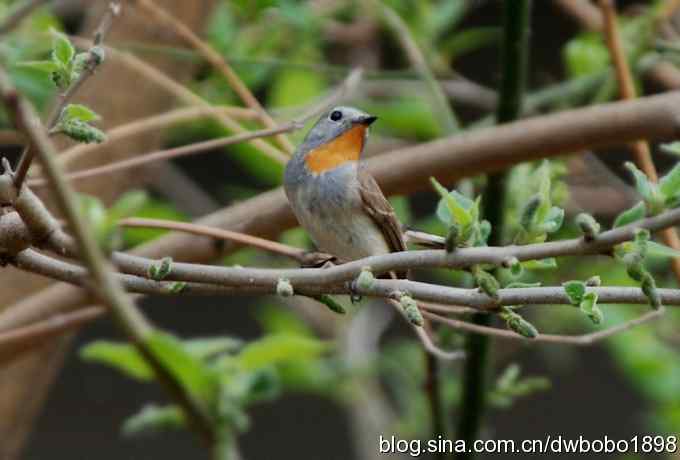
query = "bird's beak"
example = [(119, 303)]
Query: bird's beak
[(367, 120)]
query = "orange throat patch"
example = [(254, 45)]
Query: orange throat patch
[(344, 148)]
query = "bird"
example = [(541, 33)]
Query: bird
[(332, 194), (340, 205)]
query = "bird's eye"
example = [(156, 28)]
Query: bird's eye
[(336, 115)]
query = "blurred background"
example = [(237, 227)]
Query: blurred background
[(292, 54)]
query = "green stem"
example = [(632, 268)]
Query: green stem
[(514, 59), (434, 399)]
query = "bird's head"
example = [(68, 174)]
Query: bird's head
[(336, 138)]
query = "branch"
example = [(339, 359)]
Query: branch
[(187, 96), (160, 155), (236, 237), (13, 343), (217, 61), (579, 340), (17, 15), (30, 260), (105, 286), (476, 152), (642, 153), (155, 122), (93, 60)]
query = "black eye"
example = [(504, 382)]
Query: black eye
[(336, 115)]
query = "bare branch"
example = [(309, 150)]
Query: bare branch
[(236, 237), (160, 155), (155, 122), (580, 340)]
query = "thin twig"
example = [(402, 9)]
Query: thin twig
[(579, 340), (93, 60), (202, 230), (216, 60), (641, 150), (447, 117), (154, 122), (160, 155), (17, 341), (187, 96), (17, 15)]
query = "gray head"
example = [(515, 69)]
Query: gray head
[(334, 123)]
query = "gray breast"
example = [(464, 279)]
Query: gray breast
[(329, 207)]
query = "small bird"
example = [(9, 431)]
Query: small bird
[(332, 195)]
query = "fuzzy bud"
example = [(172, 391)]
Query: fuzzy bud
[(284, 288), (588, 225), (411, 310)]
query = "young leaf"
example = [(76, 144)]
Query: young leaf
[(553, 220), (660, 250), (647, 189), (192, 373), (279, 348), (154, 419), (78, 112), (631, 215), (589, 307), (575, 291), (63, 49), (542, 264), (120, 356), (453, 207), (43, 66), (669, 185)]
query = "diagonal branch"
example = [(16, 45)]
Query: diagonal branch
[(217, 61), (643, 155), (105, 285)]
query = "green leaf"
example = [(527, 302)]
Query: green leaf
[(661, 250), (589, 306), (63, 49), (279, 348), (94, 211), (553, 220), (127, 204), (517, 324), (669, 185), (453, 207), (586, 54), (78, 112), (43, 66), (154, 419), (193, 374), (542, 264), (648, 190), (631, 215), (575, 290), (120, 356)]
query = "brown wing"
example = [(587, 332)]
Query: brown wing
[(381, 211)]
